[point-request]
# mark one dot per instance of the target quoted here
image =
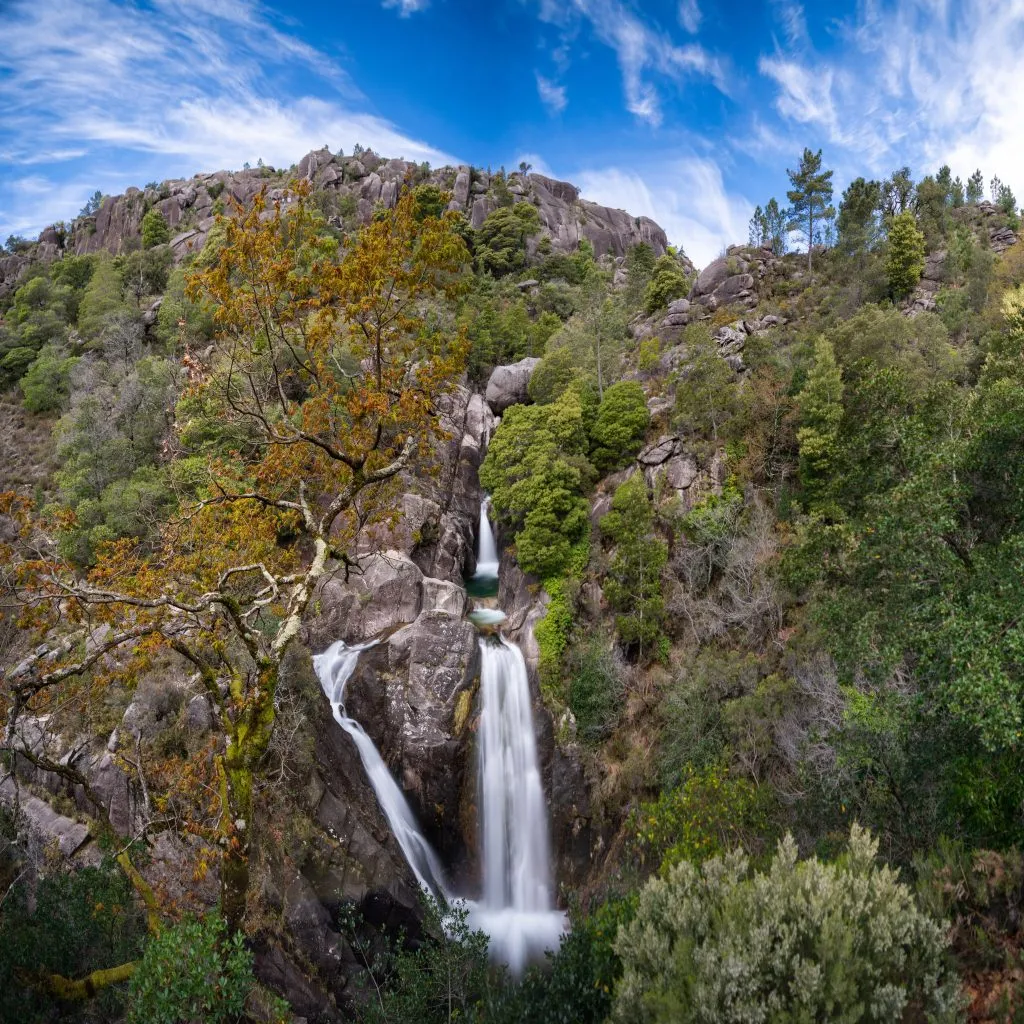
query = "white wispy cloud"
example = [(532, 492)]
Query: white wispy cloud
[(551, 94), (205, 86), (687, 197), (645, 53), (690, 15), (922, 82), (406, 8)]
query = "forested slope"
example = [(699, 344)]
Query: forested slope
[(762, 548)]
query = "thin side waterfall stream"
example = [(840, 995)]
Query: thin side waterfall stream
[(334, 668), (517, 908)]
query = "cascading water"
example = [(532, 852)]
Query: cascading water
[(334, 668), (487, 553), (516, 910)]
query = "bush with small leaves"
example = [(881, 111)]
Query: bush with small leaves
[(801, 941), (622, 421), (192, 971)]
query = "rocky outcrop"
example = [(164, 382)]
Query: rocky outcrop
[(188, 206), (509, 385), (737, 278), (412, 694)]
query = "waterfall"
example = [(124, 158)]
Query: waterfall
[(333, 668), (487, 549), (516, 910)]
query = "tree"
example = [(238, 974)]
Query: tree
[(536, 472), (224, 589), (668, 282), (92, 204), (525, 168), (154, 229), (639, 266), (897, 192), (975, 187), (858, 216), (501, 240), (810, 196), (776, 222), (813, 941), (757, 228), (633, 584), (706, 396), (1003, 197), (821, 412), (618, 431), (103, 296), (904, 260)]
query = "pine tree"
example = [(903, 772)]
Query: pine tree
[(633, 584), (811, 196), (777, 224), (821, 412), (975, 187), (154, 229), (102, 297), (757, 228), (904, 261), (858, 215)]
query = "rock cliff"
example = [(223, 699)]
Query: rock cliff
[(349, 190)]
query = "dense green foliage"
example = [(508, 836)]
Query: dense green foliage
[(668, 281), (620, 427), (191, 971), (801, 941), (154, 229), (75, 922), (904, 261), (633, 584), (536, 472)]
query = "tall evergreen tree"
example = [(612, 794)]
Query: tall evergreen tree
[(858, 215), (776, 222), (905, 259), (633, 584), (821, 412), (811, 196), (975, 187), (757, 228)]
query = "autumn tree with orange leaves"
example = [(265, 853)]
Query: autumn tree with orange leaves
[(328, 364)]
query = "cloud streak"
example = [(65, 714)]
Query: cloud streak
[(551, 94)]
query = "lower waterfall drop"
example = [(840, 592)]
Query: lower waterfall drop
[(517, 909)]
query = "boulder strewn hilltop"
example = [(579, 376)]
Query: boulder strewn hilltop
[(351, 188)]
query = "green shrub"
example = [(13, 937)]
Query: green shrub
[(668, 282), (47, 384), (154, 229), (710, 813), (192, 971), (77, 922), (802, 941), (622, 421)]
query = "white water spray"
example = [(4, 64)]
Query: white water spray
[(487, 549), (516, 910), (333, 668)]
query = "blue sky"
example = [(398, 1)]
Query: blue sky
[(688, 111)]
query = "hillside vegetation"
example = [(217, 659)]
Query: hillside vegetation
[(776, 508)]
